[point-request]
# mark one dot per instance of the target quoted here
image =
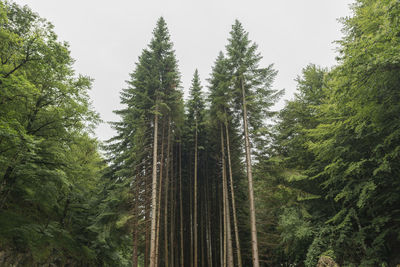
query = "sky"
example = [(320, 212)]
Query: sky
[(106, 38)]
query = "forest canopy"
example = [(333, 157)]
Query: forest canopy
[(219, 179)]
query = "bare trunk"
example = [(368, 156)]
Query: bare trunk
[(222, 236), (158, 220), (239, 255), (147, 220), (229, 253), (208, 225), (191, 215), (202, 224), (135, 225), (154, 192), (172, 214), (227, 230), (180, 204), (195, 197), (218, 219), (254, 243), (166, 253)]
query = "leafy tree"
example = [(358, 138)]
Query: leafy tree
[(172, 192), (357, 141), (50, 171), (290, 203)]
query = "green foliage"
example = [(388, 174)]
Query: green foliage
[(244, 71), (50, 169), (358, 122), (338, 134), (321, 245), (195, 110), (153, 89), (326, 176)]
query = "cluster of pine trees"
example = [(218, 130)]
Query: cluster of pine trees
[(217, 180)]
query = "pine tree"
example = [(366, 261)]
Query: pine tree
[(152, 99), (195, 123), (167, 98), (252, 96)]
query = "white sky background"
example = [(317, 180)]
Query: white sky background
[(106, 37)]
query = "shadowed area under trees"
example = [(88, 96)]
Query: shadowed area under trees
[(217, 180)]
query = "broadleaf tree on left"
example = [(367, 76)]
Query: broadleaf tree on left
[(50, 167)]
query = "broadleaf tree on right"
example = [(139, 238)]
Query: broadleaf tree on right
[(339, 143)]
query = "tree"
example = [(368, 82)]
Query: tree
[(195, 121), (356, 140), (152, 99), (289, 203), (325, 176), (50, 169), (252, 96)]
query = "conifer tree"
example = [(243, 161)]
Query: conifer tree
[(252, 96), (195, 123), (166, 96), (222, 120), (152, 99)]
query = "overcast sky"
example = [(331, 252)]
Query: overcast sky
[(106, 37)]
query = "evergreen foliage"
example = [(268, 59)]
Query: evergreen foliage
[(171, 187)]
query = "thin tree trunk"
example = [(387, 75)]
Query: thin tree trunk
[(254, 243), (166, 253), (224, 197), (191, 213), (159, 195), (135, 225), (195, 197), (218, 219), (239, 256), (135, 245), (229, 252), (172, 214), (202, 224), (154, 192), (147, 220), (222, 236), (208, 225), (180, 204), (210, 240)]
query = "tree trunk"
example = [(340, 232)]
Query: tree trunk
[(190, 213), (239, 255), (229, 254), (195, 197), (154, 192), (159, 195), (208, 224), (222, 236), (166, 253), (147, 220), (202, 224), (180, 204), (254, 243), (172, 213), (135, 225)]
